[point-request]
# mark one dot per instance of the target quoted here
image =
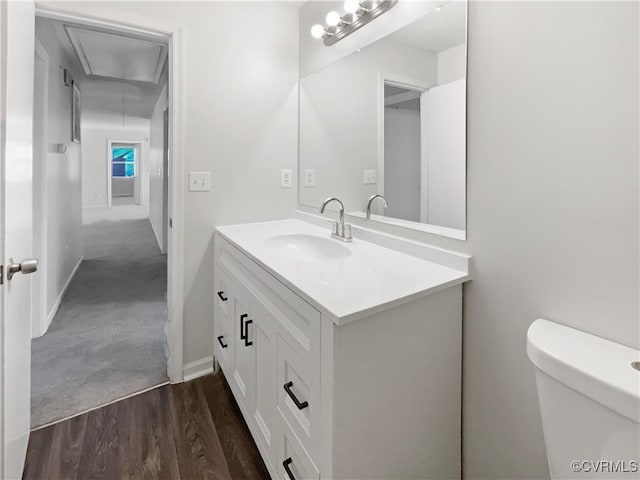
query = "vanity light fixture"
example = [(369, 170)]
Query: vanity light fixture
[(358, 13)]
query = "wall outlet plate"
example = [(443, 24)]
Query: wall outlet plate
[(286, 178), (369, 177), (199, 181), (310, 178)]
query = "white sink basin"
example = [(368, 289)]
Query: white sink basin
[(308, 247)]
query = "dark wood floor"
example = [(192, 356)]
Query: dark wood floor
[(188, 431)]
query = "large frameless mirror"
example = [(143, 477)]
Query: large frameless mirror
[(390, 119)]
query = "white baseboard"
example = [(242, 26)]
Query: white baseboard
[(158, 238), (56, 305), (198, 368)]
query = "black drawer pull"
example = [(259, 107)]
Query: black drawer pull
[(242, 334), (301, 405), (247, 343), (221, 295), (222, 344), (286, 464)]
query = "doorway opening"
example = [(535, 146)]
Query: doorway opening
[(103, 323), (402, 150)]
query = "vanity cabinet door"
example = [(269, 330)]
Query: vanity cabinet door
[(244, 373), (263, 334), (255, 367)]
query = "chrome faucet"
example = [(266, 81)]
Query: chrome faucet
[(340, 230), (371, 199)]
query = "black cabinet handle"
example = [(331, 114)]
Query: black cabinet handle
[(222, 297), (242, 334), (222, 344), (301, 405), (286, 464), (247, 343)]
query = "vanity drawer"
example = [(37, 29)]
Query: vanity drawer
[(224, 337), (223, 290), (293, 461), (297, 322), (298, 397)]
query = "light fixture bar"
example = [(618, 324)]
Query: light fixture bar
[(360, 20)]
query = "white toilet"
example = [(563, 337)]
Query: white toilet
[(589, 395)]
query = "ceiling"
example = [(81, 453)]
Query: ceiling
[(111, 55), (100, 59), (438, 30)]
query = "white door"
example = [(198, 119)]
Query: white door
[(16, 84), (444, 126)]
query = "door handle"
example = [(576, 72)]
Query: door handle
[(301, 405), (222, 344), (242, 334), (222, 297), (247, 342), (25, 267)]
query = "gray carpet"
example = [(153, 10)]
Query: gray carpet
[(107, 339)]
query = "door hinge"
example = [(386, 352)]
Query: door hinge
[(1, 274), (171, 223)]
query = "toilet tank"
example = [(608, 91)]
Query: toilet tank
[(589, 395)]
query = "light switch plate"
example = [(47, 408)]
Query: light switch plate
[(369, 177), (286, 179), (310, 178), (199, 181)]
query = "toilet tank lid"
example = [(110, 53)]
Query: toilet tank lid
[(599, 369)]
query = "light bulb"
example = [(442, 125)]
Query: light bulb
[(317, 31), (333, 18), (351, 6)]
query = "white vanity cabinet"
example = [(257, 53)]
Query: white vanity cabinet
[(377, 397)]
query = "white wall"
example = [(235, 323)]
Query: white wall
[(241, 122), (452, 64), (157, 173), (402, 163), (553, 207), (63, 170), (95, 155)]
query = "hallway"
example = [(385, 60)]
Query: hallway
[(107, 339)]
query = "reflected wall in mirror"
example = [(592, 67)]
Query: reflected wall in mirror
[(390, 118)]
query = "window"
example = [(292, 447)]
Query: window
[(123, 162)]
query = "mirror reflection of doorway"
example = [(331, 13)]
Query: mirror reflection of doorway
[(402, 150), (124, 168)]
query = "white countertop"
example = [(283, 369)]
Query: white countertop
[(371, 279)]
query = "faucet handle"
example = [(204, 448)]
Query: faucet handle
[(334, 227)]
